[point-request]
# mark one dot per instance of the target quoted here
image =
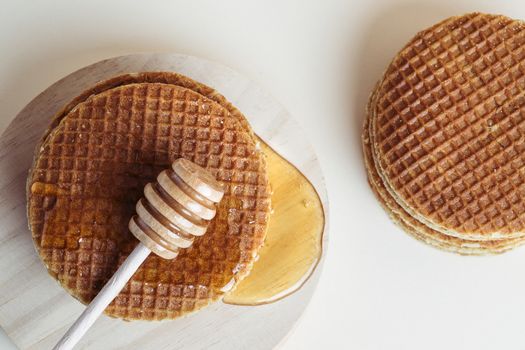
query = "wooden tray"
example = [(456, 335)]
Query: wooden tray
[(35, 311)]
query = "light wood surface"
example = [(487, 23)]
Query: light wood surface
[(35, 311)]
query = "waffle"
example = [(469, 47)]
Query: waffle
[(418, 230), (91, 167), (443, 136)]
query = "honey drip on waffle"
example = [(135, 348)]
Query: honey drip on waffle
[(293, 244)]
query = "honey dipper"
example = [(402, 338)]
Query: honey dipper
[(175, 209)]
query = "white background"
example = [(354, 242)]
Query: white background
[(380, 289)]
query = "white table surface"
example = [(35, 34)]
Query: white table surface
[(380, 289)]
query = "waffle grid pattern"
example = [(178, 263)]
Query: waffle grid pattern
[(449, 125), (412, 226), (92, 169)]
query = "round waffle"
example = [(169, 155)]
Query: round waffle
[(445, 134), (417, 229), (91, 168)]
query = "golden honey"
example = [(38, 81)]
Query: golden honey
[(293, 244)]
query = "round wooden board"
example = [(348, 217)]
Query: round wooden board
[(35, 311)]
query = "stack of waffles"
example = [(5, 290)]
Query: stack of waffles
[(444, 135), (91, 168)]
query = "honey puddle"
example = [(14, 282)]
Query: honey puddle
[(293, 244)]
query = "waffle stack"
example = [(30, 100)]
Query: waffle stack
[(444, 135), (91, 168)]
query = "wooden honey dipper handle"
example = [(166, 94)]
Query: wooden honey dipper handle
[(175, 209)]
